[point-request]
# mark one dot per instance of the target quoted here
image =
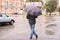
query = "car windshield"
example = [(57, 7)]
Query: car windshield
[(0, 15), (5, 15)]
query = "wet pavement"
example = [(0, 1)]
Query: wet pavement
[(47, 28)]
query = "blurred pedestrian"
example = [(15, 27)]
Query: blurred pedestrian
[(32, 13), (32, 22)]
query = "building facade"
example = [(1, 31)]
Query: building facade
[(11, 6)]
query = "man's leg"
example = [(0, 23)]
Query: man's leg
[(35, 32), (35, 35), (32, 30)]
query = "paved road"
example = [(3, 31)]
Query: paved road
[(47, 28)]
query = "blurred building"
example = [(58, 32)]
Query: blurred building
[(11, 6), (33, 4)]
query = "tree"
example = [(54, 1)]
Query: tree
[(51, 5), (58, 9)]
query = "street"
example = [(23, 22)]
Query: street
[(47, 28)]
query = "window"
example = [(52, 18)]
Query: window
[(0, 15), (4, 15)]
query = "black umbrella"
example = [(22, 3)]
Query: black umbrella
[(33, 10)]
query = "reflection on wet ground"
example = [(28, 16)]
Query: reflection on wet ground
[(5, 29), (51, 25), (21, 29), (52, 28), (48, 32), (50, 19)]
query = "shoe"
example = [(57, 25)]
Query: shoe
[(30, 37), (36, 36)]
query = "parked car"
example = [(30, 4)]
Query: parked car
[(6, 19)]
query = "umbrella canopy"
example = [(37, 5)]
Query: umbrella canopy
[(33, 10), (27, 8)]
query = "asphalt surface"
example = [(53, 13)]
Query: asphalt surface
[(47, 28)]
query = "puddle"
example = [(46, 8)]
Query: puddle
[(49, 32), (51, 25), (50, 19), (47, 22)]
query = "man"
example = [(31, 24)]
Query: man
[(32, 22)]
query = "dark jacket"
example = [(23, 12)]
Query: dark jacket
[(31, 19), (31, 16)]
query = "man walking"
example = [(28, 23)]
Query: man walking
[(32, 22)]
